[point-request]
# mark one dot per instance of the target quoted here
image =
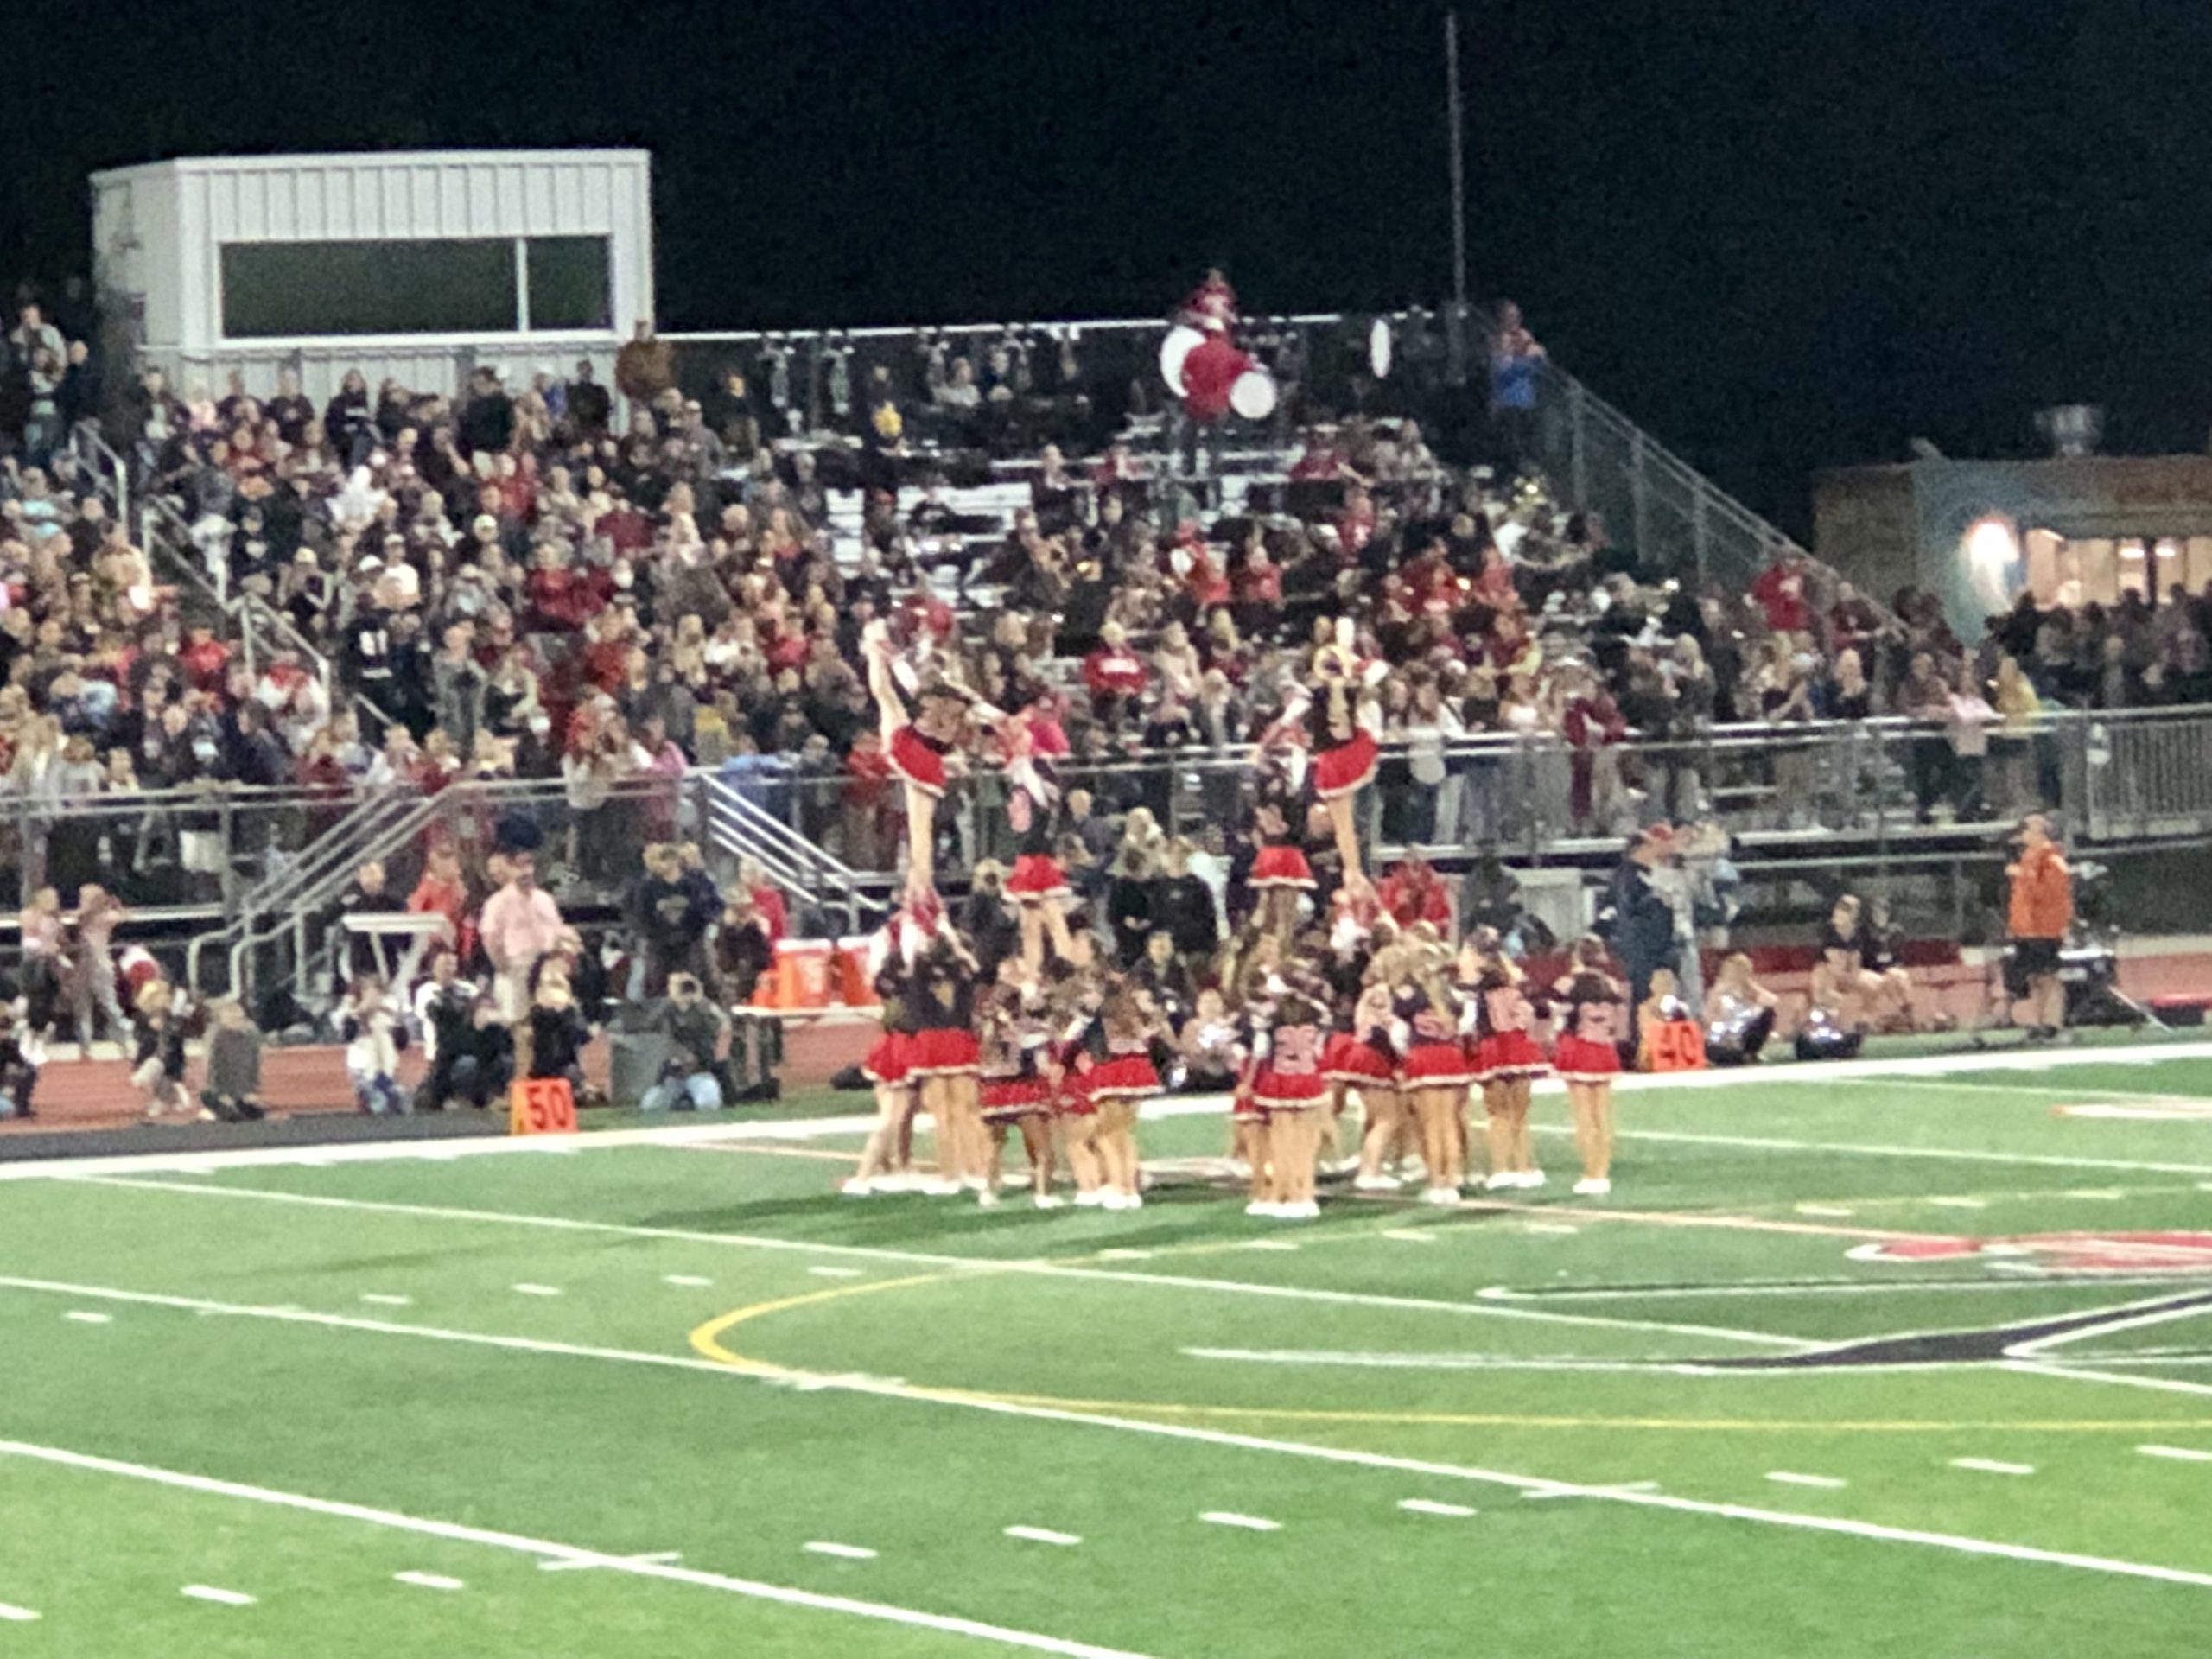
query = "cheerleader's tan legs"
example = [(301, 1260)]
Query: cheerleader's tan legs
[(1279, 913), (1593, 1105), (1294, 1140), (1385, 1121), (950, 1102), (1117, 1146), (1512, 1154), (1044, 932), (1517, 1095), (1443, 1135), (894, 1116), (1497, 1133), (1347, 835), (1037, 1142), (1082, 1133)]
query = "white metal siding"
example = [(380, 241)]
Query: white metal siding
[(371, 197)]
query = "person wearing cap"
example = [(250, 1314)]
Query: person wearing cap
[(1634, 917)]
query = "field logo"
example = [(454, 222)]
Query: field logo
[(2057, 1252)]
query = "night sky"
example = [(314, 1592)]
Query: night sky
[(1782, 236)]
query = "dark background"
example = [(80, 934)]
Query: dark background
[(1783, 236)]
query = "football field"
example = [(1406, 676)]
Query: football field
[(1885, 1359)]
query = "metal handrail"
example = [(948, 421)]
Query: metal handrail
[(789, 857)]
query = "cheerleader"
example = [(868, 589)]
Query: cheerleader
[(1039, 886), (1507, 1063), (916, 744), (1433, 1072), (1014, 1091), (1073, 998), (882, 1166), (1289, 1088), (1115, 1073), (1281, 874), (1588, 1056), (1739, 1013), (1363, 1059), (944, 1057), (1338, 713)]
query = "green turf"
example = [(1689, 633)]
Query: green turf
[(940, 1373)]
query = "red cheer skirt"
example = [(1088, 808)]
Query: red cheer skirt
[(1580, 1059), (888, 1059), (1435, 1066), (1504, 1055), (1289, 1091), (1122, 1076), (1350, 1060), (1281, 867), (944, 1051), (1347, 767), (1037, 878), (1004, 1098), (916, 762)]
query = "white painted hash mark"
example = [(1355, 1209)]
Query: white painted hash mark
[(580, 1564), (1430, 1506), (1407, 1235), (537, 1290), (1959, 1204), (380, 1300), (1249, 1522), (1826, 1210), (1124, 1255), (1550, 1227), (15, 1615), (1992, 1466), (1043, 1535), (1785, 1478), (688, 1280), (2178, 1453), (1269, 1244), (843, 1551), (835, 1273), (83, 1317), (429, 1580), (223, 1597)]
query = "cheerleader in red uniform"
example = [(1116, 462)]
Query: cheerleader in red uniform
[(1281, 874), (1363, 1059), (1120, 1075), (1589, 1004), (944, 1058), (1014, 1091), (1337, 713), (916, 745), (882, 1161), (1433, 1070), (1073, 994), (1037, 886), (1288, 1085), (1507, 1063)]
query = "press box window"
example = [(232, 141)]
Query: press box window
[(479, 286)]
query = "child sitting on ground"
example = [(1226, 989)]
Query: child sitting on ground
[(22, 1054), (232, 1090), (694, 1027), (557, 1032)]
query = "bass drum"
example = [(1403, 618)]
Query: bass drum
[(1179, 345), (1252, 394)]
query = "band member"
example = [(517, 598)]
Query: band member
[(1434, 1072), (943, 1057), (882, 1164), (1287, 1084), (1739, 1013), (1013, 1090), (1507, 1063), (1363, 1059), (1588, 1002)]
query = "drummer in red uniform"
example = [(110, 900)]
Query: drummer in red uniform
[(1210, 369)]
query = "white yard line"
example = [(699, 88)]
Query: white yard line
[(1992, 1466), (454, 1532), (1792, 1477), (1386, 1362), (979, 1264), (843, 1552), (80, 1316), (2072, 1371), (2041, 1347), (431, 1580), (2027, 1061), (222, 1597), (1430, 1506), (10, 1615), (2176, 1453), (1950, 1154), (1248, 1522), (1824, 1209), (1189, 1433), (1044, 1536)]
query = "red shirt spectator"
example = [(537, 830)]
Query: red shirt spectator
[(1112, 669), (1409, 890), (1781, 590), (205, 661), (1355, 524)]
